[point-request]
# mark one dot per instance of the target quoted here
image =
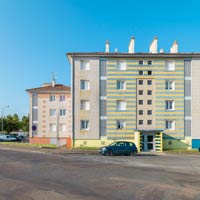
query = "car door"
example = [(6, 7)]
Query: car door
[(121, 148), (128, 148)]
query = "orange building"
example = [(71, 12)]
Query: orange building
[(50, 114)]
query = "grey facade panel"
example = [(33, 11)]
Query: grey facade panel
[(102, 107), (188, 111), (34, 99), (102, 68), (188, 125), (187, 68), (102, 87), (187, 88), (103, 127), (34, 115)]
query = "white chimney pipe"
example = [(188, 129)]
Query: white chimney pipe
[(131, 47), (107, 46), (153, 48), (174, 48)]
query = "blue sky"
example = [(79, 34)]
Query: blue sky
[(35, 36)]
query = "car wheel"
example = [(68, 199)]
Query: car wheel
[(109, 153), (133, 153)]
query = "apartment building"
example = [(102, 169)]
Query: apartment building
[(50, 114), (151, 98)]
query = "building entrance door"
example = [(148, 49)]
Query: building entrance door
[(148, 142)]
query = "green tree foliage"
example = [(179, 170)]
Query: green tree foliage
[(13, 123)]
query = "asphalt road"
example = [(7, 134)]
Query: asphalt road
[(42, 176)]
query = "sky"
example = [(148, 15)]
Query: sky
[(35, 36)]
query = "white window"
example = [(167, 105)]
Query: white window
[(170, 124), (170, 105), (62, 127), (52, 112), (121, 105), (84, 124), (62, 112), (52, 98), (121, 124), (85, 85), (170, 65), (170, 85), (85, 65), (62, 97), (52, 127), (121, 85), (85, 105), (121, 65)]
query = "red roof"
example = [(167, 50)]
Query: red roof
[(49, 88)]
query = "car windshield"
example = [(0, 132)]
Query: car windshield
[(113, 144)]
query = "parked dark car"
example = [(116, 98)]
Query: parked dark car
[(119, 148)]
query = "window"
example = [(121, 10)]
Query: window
[(170, 65), (140, 62), (149, 62), (62, 97), (141, 72), (149, 72), (140, 122), (149, 92), (170, 124), (170, 105), (149, 82), (62, 112), (85, 85), (121, 85), (85, 105), (121, 124), (140, 82), (140, 92), (52, 112), (149, 112), (84, 124), (170, 85), (140, 112), (52, 97), (149, 102), (85, 65), (121, 65), (52, 127), (140, 102), (121, 105), (149, 122), (63, 127)]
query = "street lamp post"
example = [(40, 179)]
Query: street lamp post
[(2, 109)]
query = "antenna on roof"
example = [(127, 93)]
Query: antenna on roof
[(53, 79)]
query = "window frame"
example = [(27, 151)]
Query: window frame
[(170, 85), (121, 85), (121, 124), (170, 105), (85, 65), (52, 112), (121, 65), (84, 85), (121, 107), (85, 105), (52, 97), (170, 124), (62, 112), (168, 67), (86, 124), (149, 81)]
